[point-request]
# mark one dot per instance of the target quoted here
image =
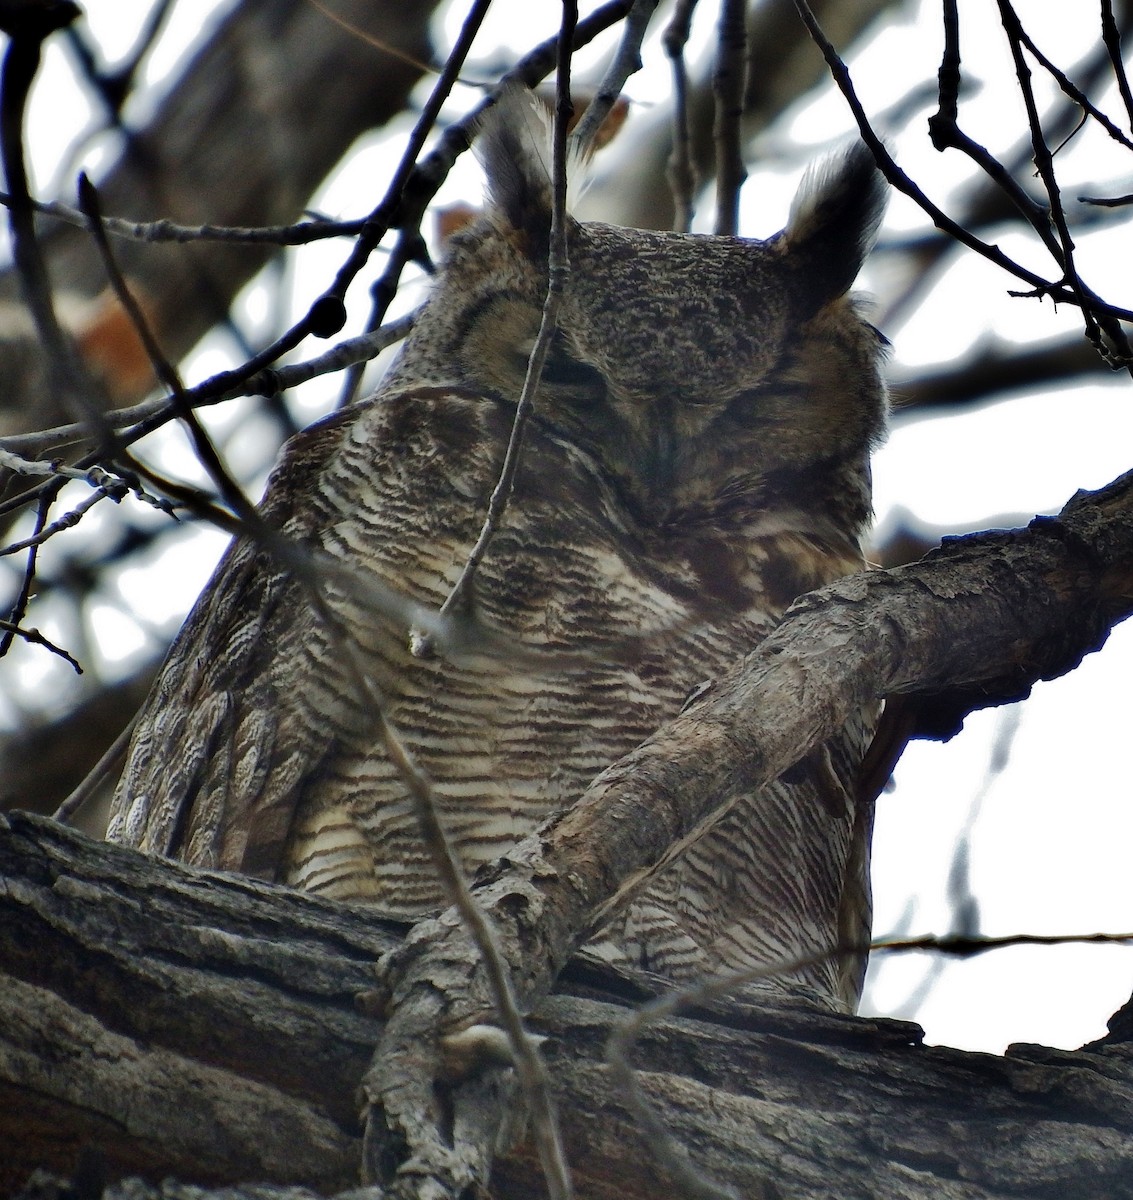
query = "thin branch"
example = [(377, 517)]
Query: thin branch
[(682, 178), (524, 1051), (728, 87), (370, 40), (626, 62), (206, 453), (21, 64), (68, 521), (898, 179), (1111, 38), (458, 603), (113, 87), (382, 218), (431, 171), (1108, 201), (35, 638), (20, 605), (964, 946), (945, 133), (984, 204), (1071, 91), (532, 1071), (410, 247), (98, 774), (162, 230), (19, 465), (1048, 221), (150, 414), (1044, 163)]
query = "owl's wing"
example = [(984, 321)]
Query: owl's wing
[(226, 738)]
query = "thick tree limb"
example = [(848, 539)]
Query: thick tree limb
[(982, 618), (204, 1026), (157, 990)]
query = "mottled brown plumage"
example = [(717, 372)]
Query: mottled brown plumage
[(698, 458)]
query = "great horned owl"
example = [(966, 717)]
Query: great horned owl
[(698, 457)]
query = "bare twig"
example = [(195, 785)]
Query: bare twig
[(163, 230), (206, 453), (524, 1052), (1044, 163), (1071, 90), (410, 247), (113, 87), (728, 86), (68, 521), (682, 179), (532, 1072), (370, 40), (898, 179), (626, 62), (35, 638), (432, 169), (459, 601), (20, 604), (97, 775), (1108, 201), (18, 465), (1111, 38), (1048, 222), (309, 567), (12, 627), (945, 132), (382, 218), (21, 63), (147, 416)]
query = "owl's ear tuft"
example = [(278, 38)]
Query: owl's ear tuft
[(514, 148), (834, 221)]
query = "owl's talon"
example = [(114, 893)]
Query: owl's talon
[(474, 1049), (373, 1002)]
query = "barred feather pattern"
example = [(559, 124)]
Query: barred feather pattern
[(698, 459), (283, 778)]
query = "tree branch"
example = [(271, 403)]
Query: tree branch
[(231, 144), (980, 619), (205, 1026)]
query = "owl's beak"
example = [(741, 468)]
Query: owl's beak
[(650, 457)]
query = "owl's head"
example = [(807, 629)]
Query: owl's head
[(707, 376)]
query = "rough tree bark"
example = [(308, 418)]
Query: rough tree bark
[(975, 623), (204, 1026)]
